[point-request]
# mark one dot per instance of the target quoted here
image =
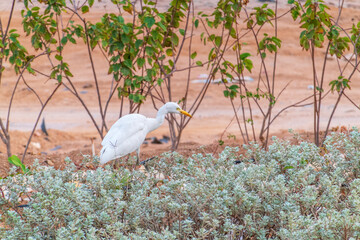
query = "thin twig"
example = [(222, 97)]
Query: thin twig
[(37, 120)]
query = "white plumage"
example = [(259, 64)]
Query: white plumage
[(129, 132)]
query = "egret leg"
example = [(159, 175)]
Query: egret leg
[(116, 163), (138, 156), (127, 161)]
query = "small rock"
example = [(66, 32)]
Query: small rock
[(88, 85), (56, 148), (37, 134), (248, 79), (156, 141), (50, 163), (203, 75), (310, 87), (36, 145), (165, 139), (350, 111), (142, 168)]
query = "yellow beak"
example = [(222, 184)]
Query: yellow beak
[(185, 113)]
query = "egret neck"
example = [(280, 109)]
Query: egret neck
[(154, 123)]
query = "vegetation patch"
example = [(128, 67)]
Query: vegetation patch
[(286, 192)]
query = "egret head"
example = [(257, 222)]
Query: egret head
[(172, 107)]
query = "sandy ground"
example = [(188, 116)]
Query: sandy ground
[(70, 128)]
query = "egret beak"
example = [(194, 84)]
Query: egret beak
[(185, 113)]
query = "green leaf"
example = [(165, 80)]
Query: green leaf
[(140, 62), (234, 87), (128, 8), (15, 160), (149, 51), (149, 21), (18, 62), (218, 41), (35, 9), (159, 81), (248, 64), (72, 40), (12, 59), (125, 71), (175, 39), (193, 55), (199, 63), (244, 55), (126, 29), (128, 63), (288, 167), (85, 9), (169, 52), (68, 73), (91, 2), (196, 23), (138, 43), (160, 24), (115, 67), (58, 57), (182, 32)]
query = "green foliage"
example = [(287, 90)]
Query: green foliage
[(288, 192), (134, 48), (137, 47), (295, 10), (15, 160), (231, 91), (355, 32), (262, 15), (315, 22), (43, 29), (338, 44), (270, 44), (12, 50), (339, 84)]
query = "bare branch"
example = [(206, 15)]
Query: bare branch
[(37, 120)]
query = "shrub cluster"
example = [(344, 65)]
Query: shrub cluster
[(287, 192)]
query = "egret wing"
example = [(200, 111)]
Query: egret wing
[(124, 128), (124, 137)]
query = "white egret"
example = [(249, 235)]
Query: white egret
[(129, 132)]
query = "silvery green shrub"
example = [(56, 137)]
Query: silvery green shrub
[(287, 192)]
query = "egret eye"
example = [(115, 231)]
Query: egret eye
[(178, 109)]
